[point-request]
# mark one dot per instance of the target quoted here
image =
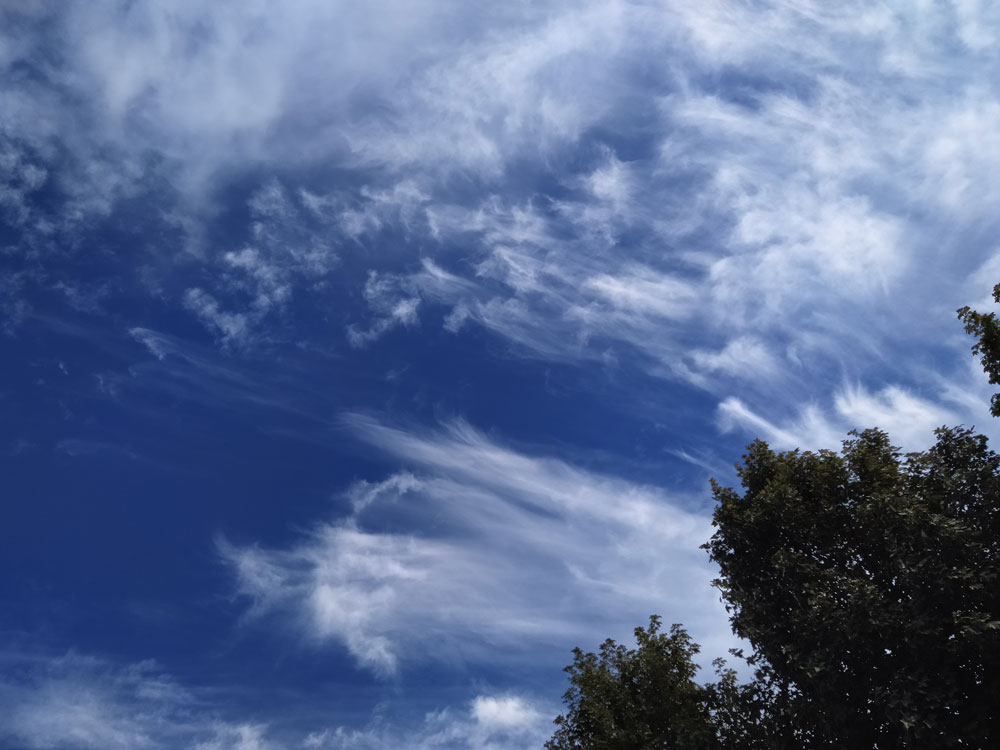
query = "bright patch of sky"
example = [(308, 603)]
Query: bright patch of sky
[(362, 359)]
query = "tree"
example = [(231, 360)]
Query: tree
[(636, 699), (752, 715), (986, 329), (868, 581)]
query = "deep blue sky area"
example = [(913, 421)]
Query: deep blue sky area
[(359, 361)]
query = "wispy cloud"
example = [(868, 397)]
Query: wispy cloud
[(391, 303), (726, 185), (791, 230), (489, 722), (908, 417), (83, 702), (484, 554), (198, 373), (76, 701), (82, 447)]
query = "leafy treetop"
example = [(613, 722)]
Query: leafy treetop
[(986, 329)]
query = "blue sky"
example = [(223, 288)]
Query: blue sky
[(362, 359)]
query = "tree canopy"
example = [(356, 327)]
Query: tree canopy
[(636, 699), (867, 583)]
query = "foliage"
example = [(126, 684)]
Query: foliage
[(636, 699), (752, 715), (868, 581), (986, 329)]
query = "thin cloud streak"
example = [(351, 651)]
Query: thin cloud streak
[(909, 418), (494, 556)]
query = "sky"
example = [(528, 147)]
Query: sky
[(360, 360)]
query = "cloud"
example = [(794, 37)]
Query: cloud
[(484, 554), (14, 308), (793, 180), (198, 373), (81, 702), (490, 722), (553, 185), (232, 328), (393, 306), (20, 179), (210, 90), (646, 292), (81, 447), (503, 712), (362, 493), (76, 701), (738, 356), (514, 92), (909, 418), (289, 250), (811, 431)]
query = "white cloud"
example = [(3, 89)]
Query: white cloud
[(75, 701), (976, 25), (403, 205), (158, 345), (210, 89), (798, 238), (734, 413), (794, 228), (503, 712), (392, 305), (646, 292), (524, 555), (962, 152), (813, 187), (491, 722), (817, 209), (81, 702), (740, 357), (289, 251), (909, 419), (233, 328), (515, 92), (363, 494)]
